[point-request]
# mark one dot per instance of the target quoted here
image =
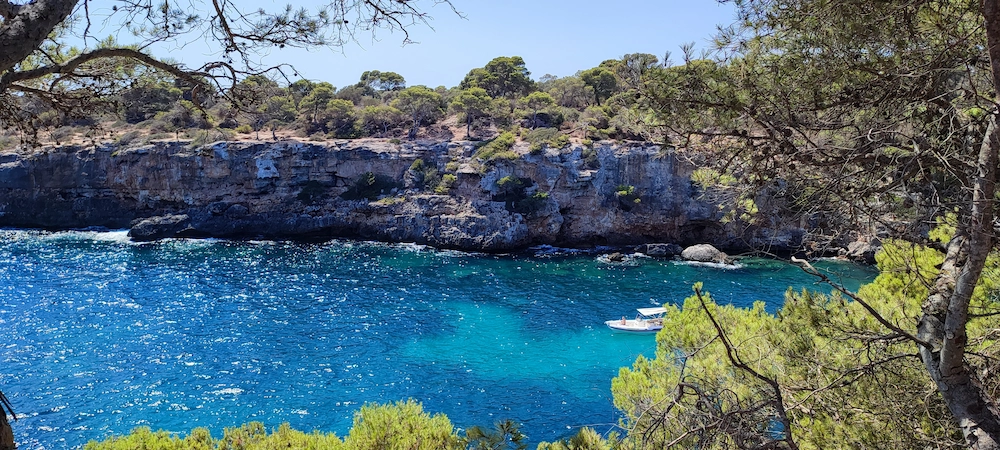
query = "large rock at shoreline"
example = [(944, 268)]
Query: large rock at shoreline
[(863, 250), (159, 227), (704, 253), (663, 250)]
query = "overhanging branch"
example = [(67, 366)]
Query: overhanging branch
[(70, 66)]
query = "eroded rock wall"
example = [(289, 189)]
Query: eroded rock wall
[(610, 194)]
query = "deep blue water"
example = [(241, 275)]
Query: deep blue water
[(99, 335)]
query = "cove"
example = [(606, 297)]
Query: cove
[(99, 335)]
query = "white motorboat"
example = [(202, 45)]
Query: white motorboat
[(649, 320)]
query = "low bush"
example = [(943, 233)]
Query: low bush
[(369, 186), (589, 155), (63, 134), (447, 182), (400, 425), (128, 138), (531, 204), (627, 196), (7, 142), (541, 138), (312, 192), (205, 137), (513, 191), (498, 148)]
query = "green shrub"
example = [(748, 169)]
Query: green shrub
[(532, 204), (185, 114), (590, 160), (400, 425), (447, 181), (62, 134), (369, 186), (426, 176), (251, 436), (49, 118), (627, 196), (403, 425), (204, 137), (158, 125), (559, 141), (546, 137), (510, 184), (312, 192), (513, 191), (540, 135), (499, 148), (392, 200), (585, 439), (244, 129), (128, 138), (707, 178), (7, 142), (158, 136)]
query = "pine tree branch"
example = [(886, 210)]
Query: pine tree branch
[(734, 359), (69, 67)]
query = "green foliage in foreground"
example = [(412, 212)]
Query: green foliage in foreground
[(400, 426), (251, 436), (403, 426), (844, 380)]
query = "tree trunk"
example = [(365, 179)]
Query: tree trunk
[(946, 310), (23, 34), (6, 433)]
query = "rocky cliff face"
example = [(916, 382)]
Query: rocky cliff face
[(611, 194)]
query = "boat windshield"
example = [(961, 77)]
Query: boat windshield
[(652, 311)]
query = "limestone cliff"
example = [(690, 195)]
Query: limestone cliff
[(610, 194)]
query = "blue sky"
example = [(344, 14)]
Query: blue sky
[(557, 37)]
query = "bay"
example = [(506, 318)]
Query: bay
[(99, 335)]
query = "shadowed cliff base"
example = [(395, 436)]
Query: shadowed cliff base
[(450, 194)]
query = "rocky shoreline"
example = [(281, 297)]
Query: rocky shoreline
[(435, 193)]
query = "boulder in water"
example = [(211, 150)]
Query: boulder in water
[(704, 253), (159, 227), (663, 250), (616, 257)]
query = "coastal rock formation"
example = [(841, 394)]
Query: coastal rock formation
[(704, 253), (436, 193), (663, 250), (159, 227)]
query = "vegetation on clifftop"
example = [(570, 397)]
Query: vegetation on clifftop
[(159, 106)]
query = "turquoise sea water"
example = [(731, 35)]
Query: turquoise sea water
[(99, 335)]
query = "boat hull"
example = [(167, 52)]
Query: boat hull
[(633, 326)]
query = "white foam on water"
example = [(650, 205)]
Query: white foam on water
[(721, 266)]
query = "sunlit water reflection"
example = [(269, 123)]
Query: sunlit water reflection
[(99, 335)]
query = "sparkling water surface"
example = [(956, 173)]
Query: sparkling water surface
[(99, 335)]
